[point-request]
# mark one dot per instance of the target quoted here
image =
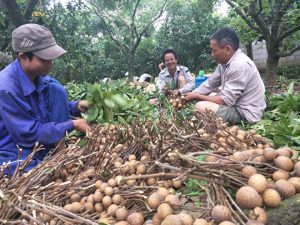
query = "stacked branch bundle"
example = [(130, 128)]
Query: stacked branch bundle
[(136, 175)]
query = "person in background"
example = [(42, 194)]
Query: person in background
[(34, 108), (145, 78), (241, 94), (173, 77)]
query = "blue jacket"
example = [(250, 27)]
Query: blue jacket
[(24, 118)]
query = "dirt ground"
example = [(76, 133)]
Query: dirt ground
[(278, 87)]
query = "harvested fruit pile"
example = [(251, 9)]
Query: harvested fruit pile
[(135, 175), (178, 102)]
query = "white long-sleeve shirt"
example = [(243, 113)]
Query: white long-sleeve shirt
[(240, 85), (166, 78)]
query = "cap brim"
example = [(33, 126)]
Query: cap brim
[(50, 53)]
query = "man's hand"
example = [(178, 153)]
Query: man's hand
[(191, 96), (82, 106), (81, 125), (161, 66)]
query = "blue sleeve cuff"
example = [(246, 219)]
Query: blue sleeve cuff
[(69, 125), (72, 106)]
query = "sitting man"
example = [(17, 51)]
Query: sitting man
[(241, 95), (177, 77), (172, 76), (34, 107)]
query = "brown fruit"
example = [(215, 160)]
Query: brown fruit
[(106, 201), (75, 207), (285, 188), (258, 182), (221, 213), (131, 157), (186, 219), (285, 151), (117, 199), (75, 198), (131, 182), (122, 223), (269, 154), (111, 210), (297, 169), (172, 199), (103, 186), (156, 220), (258, 214), (280, 174), (112, 183), (254, 222), (121, 213), (154, 200), (151, 181), (90, 172), (163, 191), (284, 163), (226, 223), (108, 191), (141, 169), (296, 182), (259, 159), (248, 198), (211, 158), (88, 207), (271, 198), (248, 171), (172, 220), (99, 207), (200, 222), (164, 210), (97, 197), (270, 183), (240, 156), (90, 199), (135, 219), (176, 183)]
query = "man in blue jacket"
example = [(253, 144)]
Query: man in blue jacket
[(34, 108)]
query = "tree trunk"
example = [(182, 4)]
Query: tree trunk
[(271, 71), (288, 213), (272, 60), (130, 66), (249, 50)]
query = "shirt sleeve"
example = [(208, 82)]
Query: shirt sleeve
[(24, 128), (190, 82), (236, 81), (72, 107), (161, 81), (211, 84)]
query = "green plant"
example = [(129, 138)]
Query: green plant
[(289, 72)]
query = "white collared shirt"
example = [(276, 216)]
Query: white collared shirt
[(165, 78)]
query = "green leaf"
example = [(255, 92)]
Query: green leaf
[(92, 114)]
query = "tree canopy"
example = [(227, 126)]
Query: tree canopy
[(109, 38)]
